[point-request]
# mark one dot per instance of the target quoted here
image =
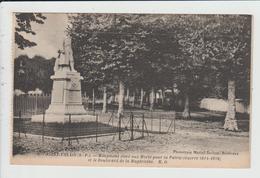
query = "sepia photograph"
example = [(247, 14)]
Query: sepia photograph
[(131, 90)]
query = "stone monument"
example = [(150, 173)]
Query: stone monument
[(66, 96)]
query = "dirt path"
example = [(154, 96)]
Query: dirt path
[(154, 143), (200, 134)]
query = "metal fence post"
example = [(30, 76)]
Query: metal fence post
[(43, 125), (132, 126), (174, 118), (36, 107), (63, 132), (93, 101), (96, 127), (151, 121), (19, 123), (142, 125), (160, 120), (69, 127), (119, 126)]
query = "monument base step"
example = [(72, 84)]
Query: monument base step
[(61, 118)]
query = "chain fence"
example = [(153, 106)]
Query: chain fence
[(127, 126)]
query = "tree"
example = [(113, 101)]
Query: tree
[(187, 51), (89, 53), (229, 42), (23, 25), (159, 52), (32, 73), (191, 59), (105, 48)]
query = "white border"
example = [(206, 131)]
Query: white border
[(13, 171)]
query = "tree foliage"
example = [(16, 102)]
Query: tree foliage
[(23, 25), (229, 43), (195, 52), (32, 73), (104, 46)]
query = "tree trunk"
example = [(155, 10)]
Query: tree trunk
[(142, 98), (147, 98), (186, 111), (230, 120), (155, 98), (113, 100), (104, 110), (133, 102), (152, 98), (127, 96), (121, 98), (93, 99), (162, 96)]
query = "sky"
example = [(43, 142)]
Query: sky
[(49, 36)]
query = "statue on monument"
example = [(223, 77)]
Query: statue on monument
[(66, 96), (65, 57)]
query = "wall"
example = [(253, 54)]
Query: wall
[(215, 104)]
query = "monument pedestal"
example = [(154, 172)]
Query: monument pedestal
[(66, 99)]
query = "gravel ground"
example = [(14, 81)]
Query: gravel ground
[(189, 135)]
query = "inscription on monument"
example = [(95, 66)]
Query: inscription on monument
[(57, 96)]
